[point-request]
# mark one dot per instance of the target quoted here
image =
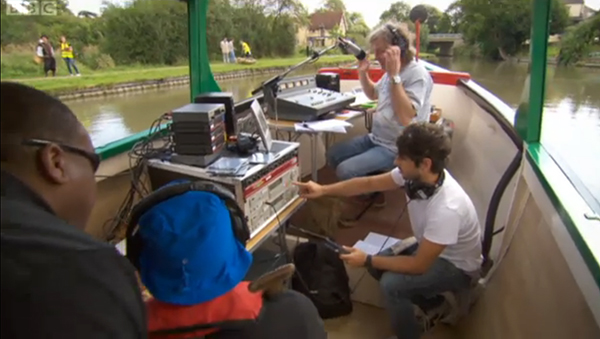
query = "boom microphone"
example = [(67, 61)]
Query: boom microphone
[(351, 48)]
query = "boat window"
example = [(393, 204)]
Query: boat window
[(563, 140)]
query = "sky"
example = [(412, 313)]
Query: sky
[(375, 7)]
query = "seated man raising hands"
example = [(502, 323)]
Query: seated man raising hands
[(403, 95), (443, 220), (193, 265)]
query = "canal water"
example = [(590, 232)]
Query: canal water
[(570, 131)]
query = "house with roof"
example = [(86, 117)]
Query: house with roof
[(578, 10), (322, 29)]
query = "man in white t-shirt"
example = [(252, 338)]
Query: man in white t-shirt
[(225, 50), (447, 256)]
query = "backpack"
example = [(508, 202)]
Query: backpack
[(322, 277)]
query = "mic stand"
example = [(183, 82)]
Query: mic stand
[(270, 87)]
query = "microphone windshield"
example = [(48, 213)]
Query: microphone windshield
[(351, 48)]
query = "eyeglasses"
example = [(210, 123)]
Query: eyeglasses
[(93, 158)]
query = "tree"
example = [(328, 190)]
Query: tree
[(334, 5), (502, 32), (451, 19), (62, 6), (434, 16), (398, 11)]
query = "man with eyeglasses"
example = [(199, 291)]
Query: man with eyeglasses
[(57, 280)]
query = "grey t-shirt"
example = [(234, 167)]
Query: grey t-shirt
[(418, 84)]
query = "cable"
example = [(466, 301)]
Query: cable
[(141, 151)]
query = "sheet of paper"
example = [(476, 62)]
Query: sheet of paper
[(349, 114), (366, 247), (122, 247), (330, 125), (380, 240)]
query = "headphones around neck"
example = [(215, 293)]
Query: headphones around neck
[(134, 242), (398, 39), (422, 191)]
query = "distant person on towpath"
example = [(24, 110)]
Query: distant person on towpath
[(232, 58), (67, 55), (225, 50), (246, 50), (47, 54)]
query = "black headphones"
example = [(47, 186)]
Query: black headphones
[(134, 242), (422, 191), (398, 39)]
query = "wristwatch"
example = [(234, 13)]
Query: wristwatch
[(369, 261), (396, 80)]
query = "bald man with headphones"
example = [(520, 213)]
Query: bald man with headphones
[(447, 256)]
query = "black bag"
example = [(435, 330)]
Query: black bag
[(322, 277)]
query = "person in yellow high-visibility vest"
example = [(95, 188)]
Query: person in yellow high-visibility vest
[(67, 54), (246, 50)]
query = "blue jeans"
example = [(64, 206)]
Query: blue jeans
[(401, 291), (71, 63), (358, 157), (232, 57)]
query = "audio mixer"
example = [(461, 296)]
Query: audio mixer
[(310, 104)]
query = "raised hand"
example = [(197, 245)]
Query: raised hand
[(392, 60), (363, 65)]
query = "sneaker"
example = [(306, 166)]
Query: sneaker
[(379, 200), (78, 75)]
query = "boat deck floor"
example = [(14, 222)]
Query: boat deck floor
[(370, 322)]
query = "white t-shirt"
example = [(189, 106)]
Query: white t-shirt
[(447, 218), (224, 47)]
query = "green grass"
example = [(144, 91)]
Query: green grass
[(111, 77)]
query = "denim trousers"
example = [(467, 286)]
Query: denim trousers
[(358, 157), (71, 64), (402, 291)]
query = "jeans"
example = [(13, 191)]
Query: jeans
[(401, 291), (71, 63), (358, 157), (232, 57)]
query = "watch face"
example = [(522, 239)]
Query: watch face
[(396, 79)]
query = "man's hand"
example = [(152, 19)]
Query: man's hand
[(309, 189), (356, 257), (363, 65), (392, 60)]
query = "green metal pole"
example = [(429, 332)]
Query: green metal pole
[(201, 77), (529, 114)]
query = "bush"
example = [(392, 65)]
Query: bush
[(96, 60)]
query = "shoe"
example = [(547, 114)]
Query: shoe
[(379, 200), (78, 75)]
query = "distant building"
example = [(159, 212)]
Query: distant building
[(321, 25), (578, 11)]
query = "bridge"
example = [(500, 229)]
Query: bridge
[(445, 42)]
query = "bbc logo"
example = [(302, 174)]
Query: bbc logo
[(43, 7)]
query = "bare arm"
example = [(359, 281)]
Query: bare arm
[(362, 185), (402, 105), (367, 85), (420, 263)]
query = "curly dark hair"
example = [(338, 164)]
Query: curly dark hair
[(425, 140)]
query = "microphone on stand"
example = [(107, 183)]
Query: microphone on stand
[(351, 48)]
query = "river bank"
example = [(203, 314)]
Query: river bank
[(138, 79)]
